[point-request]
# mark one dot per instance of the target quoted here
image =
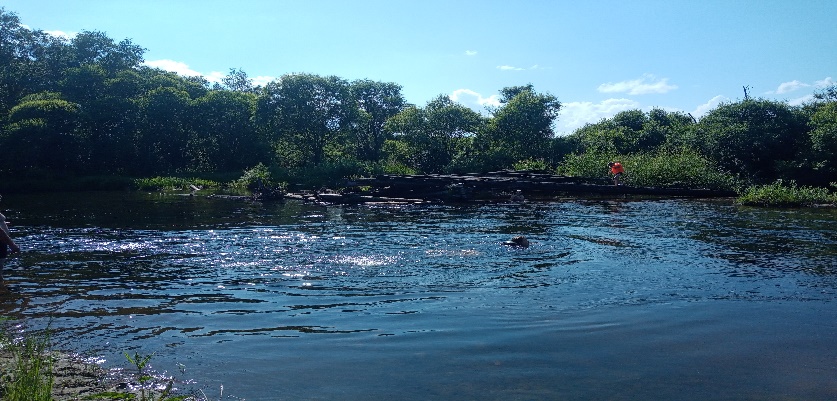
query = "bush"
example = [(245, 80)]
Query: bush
[(333, 173), (256, 179), (780, 194), (682, 169), (591, 165), (173, 183), (531, 164)]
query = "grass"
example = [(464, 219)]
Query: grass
[(173, 183), (29, 375), (787, 194)]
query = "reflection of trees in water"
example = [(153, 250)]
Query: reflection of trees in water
[(767, 243), (527, 219)]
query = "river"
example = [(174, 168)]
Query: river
[(616, 300)]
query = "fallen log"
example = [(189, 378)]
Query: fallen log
[(501, 184)]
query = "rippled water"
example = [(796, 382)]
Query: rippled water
[(672, 299)]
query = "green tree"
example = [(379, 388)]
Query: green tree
[(237, 81), (97, 48), (163, 135), (521, 128), (756, 138), (823, 125), (436, 134), (30, 61), (42, 134), (303, 114), (223, 133), (108, 115), (633, 131), (377, 102)]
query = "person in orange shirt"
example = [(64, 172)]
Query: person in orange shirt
[(617, 170)]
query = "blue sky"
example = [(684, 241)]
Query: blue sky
[(598, 57)]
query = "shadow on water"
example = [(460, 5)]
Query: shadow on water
[(612, 300)]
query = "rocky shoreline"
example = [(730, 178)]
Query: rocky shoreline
[(75, 378)]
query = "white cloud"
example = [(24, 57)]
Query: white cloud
[(173, 66), (642, 86), (701, 110), (801, 100), (474, 100), (214, 76), (263, 80), (574, 115), (790, 87), (470, 52), (62, 34), (181, 68), (825, 82), (513, 68), (787, 87), (509, 68)]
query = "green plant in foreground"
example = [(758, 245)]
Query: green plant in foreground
[(30, 374), (146, 383)]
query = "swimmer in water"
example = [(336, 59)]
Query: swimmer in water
[(519, 241)]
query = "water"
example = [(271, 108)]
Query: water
[(672, 299)]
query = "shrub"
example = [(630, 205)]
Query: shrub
[(173, 183), (257, 178), (683, 169), (531, 164), (781, 194)]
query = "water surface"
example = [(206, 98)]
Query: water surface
[(665, 299)]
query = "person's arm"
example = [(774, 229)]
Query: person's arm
[(7, 240)]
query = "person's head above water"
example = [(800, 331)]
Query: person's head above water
[(518, 241)]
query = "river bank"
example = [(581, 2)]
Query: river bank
[(74, 378)]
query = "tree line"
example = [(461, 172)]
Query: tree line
[(88, 106)]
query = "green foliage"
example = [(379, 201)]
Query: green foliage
[(307, 111), (787, 194), (333, 174), (823, 123), (522, 125), (432, 137), (30, 376), (683, 169), (222, 135), (531, 164), (88, 106), (149, 388), (633, 131), (753, 138), (258, 178), (173, 184), (590, 165), (395, 168), (147, 383), (377, 102)]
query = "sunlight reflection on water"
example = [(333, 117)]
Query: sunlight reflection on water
[(368, 290)]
